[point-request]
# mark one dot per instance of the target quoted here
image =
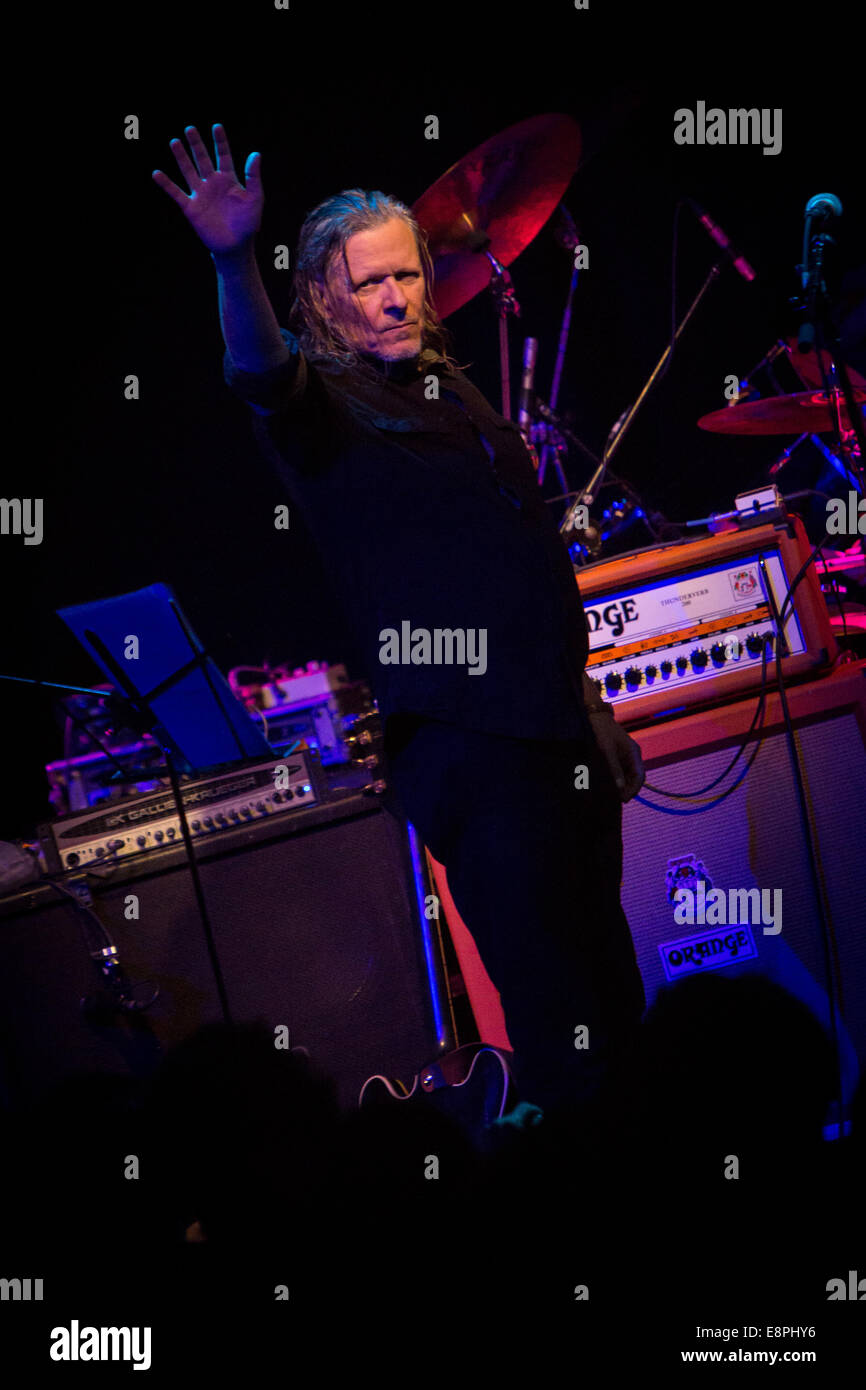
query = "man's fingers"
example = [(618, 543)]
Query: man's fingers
[(634, 768), (640, 770), (253, 174), (223, 153), (185, 164), (199, 151), (170, 188)]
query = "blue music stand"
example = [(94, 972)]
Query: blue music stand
[(193, 709)]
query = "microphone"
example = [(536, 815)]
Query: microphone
[(818, 209), (741, 265), (565, 232), (824, 205), (785, 455), (530, 352)]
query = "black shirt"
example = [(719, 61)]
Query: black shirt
[(428, 512)]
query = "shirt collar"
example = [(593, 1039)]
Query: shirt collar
[(404, 370)]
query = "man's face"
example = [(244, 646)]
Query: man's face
[(384, 313)]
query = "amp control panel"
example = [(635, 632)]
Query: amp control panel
[(698, 621)]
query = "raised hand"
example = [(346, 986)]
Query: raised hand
[(224, 213)]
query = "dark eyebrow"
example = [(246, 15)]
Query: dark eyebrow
[(404, 270)]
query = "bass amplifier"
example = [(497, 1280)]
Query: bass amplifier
[(748, 843), (106, 833), (685, 830), (319, 926), (693, 622)]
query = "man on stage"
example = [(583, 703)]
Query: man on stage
[(427, 512)]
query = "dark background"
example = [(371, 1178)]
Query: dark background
[(171, 488)]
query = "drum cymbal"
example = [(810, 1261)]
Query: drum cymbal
[(804, 412), (504, 190), (806, 366)]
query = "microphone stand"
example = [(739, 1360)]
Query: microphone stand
[(145, 721), (561, 347), (854, 459), (142, 718), (502, 289), (815, 306), (614, 439)]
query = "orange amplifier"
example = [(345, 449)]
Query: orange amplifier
[(687, 623)]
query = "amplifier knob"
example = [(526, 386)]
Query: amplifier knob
[(633, 676), (141, 840), (196, 825), (208, 820), (666, 668), (171, 832), (699, 658), (613, 680), (72, 860), (682, 663), (234, 814), (754, 644), (246, 811), (158, 835), (221, 820), (718, 653), (651, 671)]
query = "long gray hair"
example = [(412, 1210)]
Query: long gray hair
[(321, 244)]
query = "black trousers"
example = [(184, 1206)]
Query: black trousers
[(534, 866)]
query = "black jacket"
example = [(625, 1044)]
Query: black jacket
[(428, 511)]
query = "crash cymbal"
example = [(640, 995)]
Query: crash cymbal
[(806, 366), (804, 412), (504, 190)]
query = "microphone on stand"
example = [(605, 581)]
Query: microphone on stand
[(524, 421), (785, 455), (721, 238), (818, 209), (565, 232)]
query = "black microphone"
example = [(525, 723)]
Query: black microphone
[(530, 352), (818, 209), (824, 205), (565, 232), (741, 265)]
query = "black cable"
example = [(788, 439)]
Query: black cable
[(796, 769), (677, 210), (810, 559), (709, 805), (834, 584), (687, 796)]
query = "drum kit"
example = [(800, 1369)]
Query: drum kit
[(487, 208)]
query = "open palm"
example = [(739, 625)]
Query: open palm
[(222, 211)]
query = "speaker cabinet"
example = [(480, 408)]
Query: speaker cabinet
[(319, 926), (754, 839)]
